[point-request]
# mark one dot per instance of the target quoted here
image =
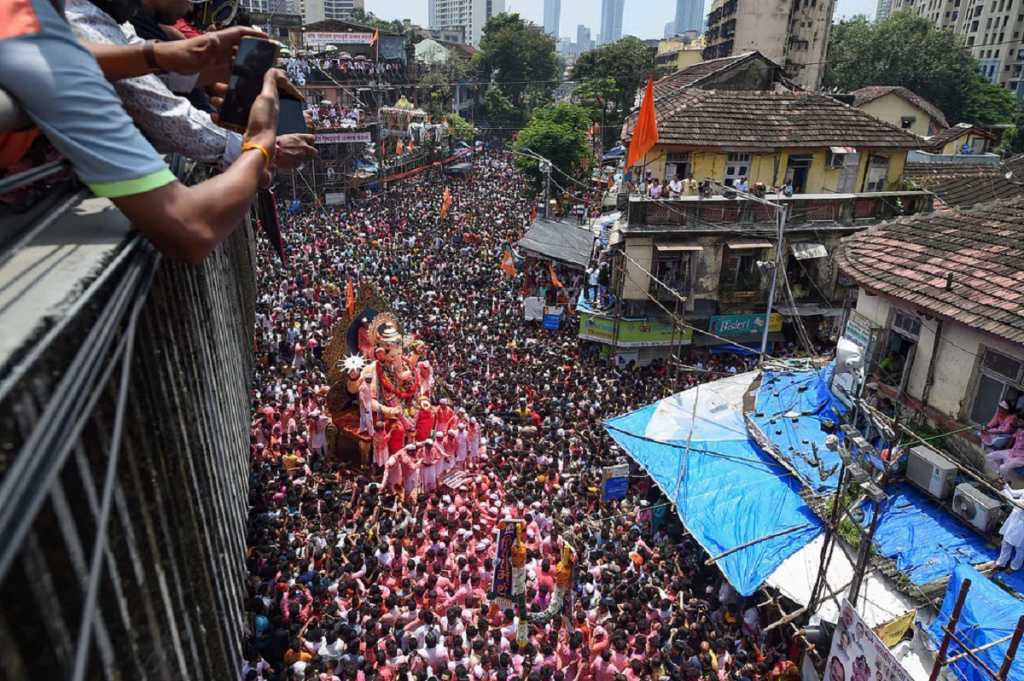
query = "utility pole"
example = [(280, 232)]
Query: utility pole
[(780, 223), (546, 167)]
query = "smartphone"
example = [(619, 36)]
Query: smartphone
[(252, 61), (289, 118)]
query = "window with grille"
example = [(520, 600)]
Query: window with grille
[(1000, 377), (906, 325)]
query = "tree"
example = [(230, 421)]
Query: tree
[(359, 16), (501, 112), (612, 75), (907, 50), (461, 128), (521, 58), (559, 134), (989, 103)]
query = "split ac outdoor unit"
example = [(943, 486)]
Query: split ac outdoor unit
[(975, 507), (931, 471)]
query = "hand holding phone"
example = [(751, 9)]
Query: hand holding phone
[(252, 61)]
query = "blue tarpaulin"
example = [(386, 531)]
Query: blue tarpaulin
[(923, 538), (729, 493), (989, 613), (790, 408)]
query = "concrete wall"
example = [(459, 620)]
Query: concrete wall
[(959, 352), (770, 168), (762, 25), (892, 109)]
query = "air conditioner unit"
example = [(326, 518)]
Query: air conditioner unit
[(975, 507), (931, 471)]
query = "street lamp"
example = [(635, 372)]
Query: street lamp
[(544, 165)]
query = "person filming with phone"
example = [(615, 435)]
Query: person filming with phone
[(61, 88)]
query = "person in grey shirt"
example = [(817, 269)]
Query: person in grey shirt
[(169, 121)]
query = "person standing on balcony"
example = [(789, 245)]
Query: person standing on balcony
[(1013, 533), (675, 188)]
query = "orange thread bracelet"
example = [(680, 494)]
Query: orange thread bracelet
[(246, 146)]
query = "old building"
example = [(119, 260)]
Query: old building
[(469, 16), (706, 260), (900, 107), (941, 301), (792, 33), (962, 185), (962, 138)]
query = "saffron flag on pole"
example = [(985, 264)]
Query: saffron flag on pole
[(446, 202), (555, 281), (508, 263), (350, 299), (645, 132)]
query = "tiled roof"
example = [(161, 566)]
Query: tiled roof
[(694, 75), (944, 137), (910, 258), (873, 92), (962, 185), (713, 118)]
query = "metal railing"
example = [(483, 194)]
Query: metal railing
[(124, 464)]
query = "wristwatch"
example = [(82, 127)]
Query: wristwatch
[(149, 54)]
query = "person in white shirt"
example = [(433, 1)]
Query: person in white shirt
[(1013, 533), (675, 188)]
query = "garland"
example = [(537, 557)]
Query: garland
[(389, 387)]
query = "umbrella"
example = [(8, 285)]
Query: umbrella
[(330, 48), (360, 57), (344, 55)]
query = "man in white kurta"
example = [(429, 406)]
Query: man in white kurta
[(1013, 533)]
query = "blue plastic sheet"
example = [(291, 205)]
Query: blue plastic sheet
[(989, 613), (806, 398), (730, 493), (923, 538)]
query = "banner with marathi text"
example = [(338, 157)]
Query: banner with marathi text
[(501, 583)]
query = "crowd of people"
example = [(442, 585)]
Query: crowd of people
[(351, 579)]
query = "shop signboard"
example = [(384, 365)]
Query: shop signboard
[(739, 325), (343, 137), (633, 333)]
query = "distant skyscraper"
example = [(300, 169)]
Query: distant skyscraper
[(689, 15), (469, 15), (552, 15), (583, 42), (611, 20), (884, 8)]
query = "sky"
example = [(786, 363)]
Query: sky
[(642, 18)]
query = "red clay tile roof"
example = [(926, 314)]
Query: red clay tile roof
[(694, 75), (716, 118), (944, 137), (873, 92), (962, 185), (983, 248)]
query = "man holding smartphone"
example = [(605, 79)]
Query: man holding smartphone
[(59, 85), (170, 121)]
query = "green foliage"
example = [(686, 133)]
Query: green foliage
[(613, 73), (908, 50), (558, 133), (461, 128), (436, 87), (521, 58), (500, 111), (989, 103)]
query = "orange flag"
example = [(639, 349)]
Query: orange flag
[(350, 299), (533, 214), (446, 202), (376, 36), (508, 263), (399, 148), (555, 281), (645, 133)]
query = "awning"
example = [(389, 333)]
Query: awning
[(748, 244), (843, 150), (678, 248), (809, 251), (562, 241)]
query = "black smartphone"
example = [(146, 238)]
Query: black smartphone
[(289, 118), (252, 61)]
